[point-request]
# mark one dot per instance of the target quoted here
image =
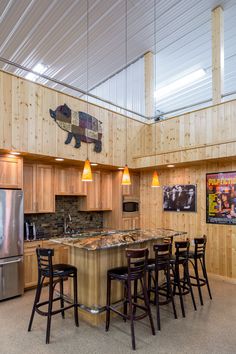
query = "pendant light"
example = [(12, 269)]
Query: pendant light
[(87, 172), (155, 177), (126, 176)]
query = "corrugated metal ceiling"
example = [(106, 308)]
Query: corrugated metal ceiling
[(54, 32)]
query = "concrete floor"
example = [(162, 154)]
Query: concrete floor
[(212, 329)]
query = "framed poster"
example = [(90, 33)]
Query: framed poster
[(221, 198), (180, 197)]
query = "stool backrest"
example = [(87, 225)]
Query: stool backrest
[(169, 239), (44, 257), (200, 245), (162, 253), (182, 249), (137, 262)]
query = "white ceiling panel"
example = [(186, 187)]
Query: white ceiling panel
[(54, 32)]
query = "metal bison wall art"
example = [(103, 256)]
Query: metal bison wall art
[(79, 125)]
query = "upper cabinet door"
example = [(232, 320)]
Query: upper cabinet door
[(93, 194), (78, 187), (63, 182), (106, 191), (11, 172), (45, 189), (68, 182), (29, 186)]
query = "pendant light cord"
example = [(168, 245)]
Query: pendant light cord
[(87, 70), (126, 75), (155, 84)]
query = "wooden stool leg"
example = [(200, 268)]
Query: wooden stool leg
[(147, 304), (169, 289), (157, 301), (203, 264), (62, 299), (76, 300), (149, 284), (198, 281), (177, 281), (131, 315), (49, 315), (125, 301), (36, 300), (186, 271), (108, 311)]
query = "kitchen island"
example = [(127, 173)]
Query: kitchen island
[(94, 255)]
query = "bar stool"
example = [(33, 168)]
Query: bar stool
[(135, 272), (195, 257), (183, 284), (56, 273), (160, 263)]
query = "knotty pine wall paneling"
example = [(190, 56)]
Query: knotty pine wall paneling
[(26, 125), (221, 247), (196, 136)]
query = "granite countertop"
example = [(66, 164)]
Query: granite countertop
[(115, 238)]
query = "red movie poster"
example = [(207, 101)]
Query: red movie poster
[(221, 198)]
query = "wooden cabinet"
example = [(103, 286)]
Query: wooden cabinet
[(131, 223), (61, 255), (106, 190), (68, 182), (132, 190), (99, 193), (39, 188), (29, 188), (11, 172), (30, 263)]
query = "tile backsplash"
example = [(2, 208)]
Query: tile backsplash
[(52, 224)]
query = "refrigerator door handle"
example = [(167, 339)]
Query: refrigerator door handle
[(9, 262)]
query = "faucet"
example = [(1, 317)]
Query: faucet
[(67, 228)]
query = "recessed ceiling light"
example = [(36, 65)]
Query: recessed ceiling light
[(59, 159), (38, 68), (120, 168), (15, 153), (170, 166), (93, 164)]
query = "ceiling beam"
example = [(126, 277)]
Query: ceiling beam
[(149, 83), (217, 54)]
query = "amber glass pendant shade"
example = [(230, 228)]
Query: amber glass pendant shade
[(126, 177), (87, 173), (155, 180)]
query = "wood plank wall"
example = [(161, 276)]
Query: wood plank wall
[(221, 248), (201, 135), (26, 125)]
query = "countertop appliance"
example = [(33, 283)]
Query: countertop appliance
[(130, 207), (11, 243)]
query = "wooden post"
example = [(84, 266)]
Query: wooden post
[(149, 83), (217, 54)]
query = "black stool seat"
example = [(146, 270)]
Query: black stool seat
[(63, 270), (56, 274), (118, 273)]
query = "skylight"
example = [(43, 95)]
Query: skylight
[(179, 84), (38, 68)]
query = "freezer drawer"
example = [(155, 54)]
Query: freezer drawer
[(11, 277)]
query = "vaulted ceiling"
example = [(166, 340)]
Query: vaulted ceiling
[(54, 32)]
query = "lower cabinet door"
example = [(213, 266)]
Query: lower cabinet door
[(11, 277)]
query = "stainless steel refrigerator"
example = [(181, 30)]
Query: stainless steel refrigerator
[(11, 243)]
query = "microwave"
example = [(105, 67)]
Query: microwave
[(130, 206)]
